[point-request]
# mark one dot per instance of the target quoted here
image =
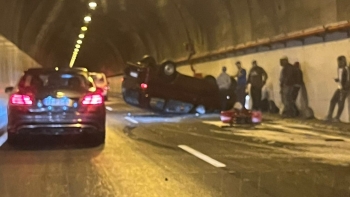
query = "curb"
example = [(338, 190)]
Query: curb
[(309, 123)]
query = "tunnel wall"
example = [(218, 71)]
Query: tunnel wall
[(318, 63), (115, 85), (12, 64)]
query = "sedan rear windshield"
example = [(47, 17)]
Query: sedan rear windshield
[(54, 80)]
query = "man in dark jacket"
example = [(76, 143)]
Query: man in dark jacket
[(241, 83), (341, 93), (257, 78), (287, 82), (299, 83)]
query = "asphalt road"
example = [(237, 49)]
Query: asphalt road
[(152, 155)]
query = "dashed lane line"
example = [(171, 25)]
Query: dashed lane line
[(109, 108), (202, 156)]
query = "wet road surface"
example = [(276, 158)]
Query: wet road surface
[(149, 155)]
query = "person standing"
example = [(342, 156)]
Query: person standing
[(241, 83), (343, 89), (257, 78), (287, 82), (299, 83), (224, 83)]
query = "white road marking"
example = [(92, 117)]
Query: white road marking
[(202, 156), (109, 108), (131, 120), (3, 139)]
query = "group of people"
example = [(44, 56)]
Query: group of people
[(257, 78), (291, 82)]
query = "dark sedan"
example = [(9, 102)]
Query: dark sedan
[(56, 102), (161, 88)]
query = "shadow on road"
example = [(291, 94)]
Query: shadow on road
[(52, 143)]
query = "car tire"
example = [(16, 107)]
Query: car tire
[(168, 71), (12, 138)]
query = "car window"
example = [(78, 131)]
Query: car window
[(53, 80)]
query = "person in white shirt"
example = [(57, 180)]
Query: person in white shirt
[(224, 83), (341, 93)]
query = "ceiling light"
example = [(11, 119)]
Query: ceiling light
[(87, 19), (79, 41), (93, 5), (77, 46), (81, 36), (56, 68), (84, 28), (76, 50)]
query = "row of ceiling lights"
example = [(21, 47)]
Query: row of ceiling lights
[(87, 20)]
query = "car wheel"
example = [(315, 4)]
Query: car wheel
[(168, 70), (11, 138)]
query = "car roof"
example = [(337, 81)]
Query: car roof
[(35, 71)]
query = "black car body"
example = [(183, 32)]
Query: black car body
[(56, 102), (162, 88)]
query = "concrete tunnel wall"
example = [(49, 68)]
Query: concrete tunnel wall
[(318, 63), (13, 62)]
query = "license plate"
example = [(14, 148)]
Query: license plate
[(134, 74), (50, 101)]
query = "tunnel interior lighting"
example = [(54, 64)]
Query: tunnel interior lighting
[(87, 19), (76, 50), (81, 36), (79, 41), (56, 68), (93, 5), (77, 46), (84, 28)]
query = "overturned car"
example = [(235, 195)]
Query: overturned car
[(161, 88)]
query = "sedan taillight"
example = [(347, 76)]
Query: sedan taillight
[(92, 99), (20, 99)]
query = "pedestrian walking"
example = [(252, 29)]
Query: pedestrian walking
[(257, 79), (224, 83), (343, 89), (287, 82), (241, 83)]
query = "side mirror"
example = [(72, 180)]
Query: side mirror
[(9, 89)]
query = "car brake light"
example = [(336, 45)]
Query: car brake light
[(19, 99), (144, 86), (92, 99)]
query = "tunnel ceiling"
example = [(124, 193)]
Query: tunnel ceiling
[(125, 30)]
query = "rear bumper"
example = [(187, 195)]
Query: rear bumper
[(59, 124)]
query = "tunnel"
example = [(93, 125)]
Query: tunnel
[(125, 30), (200, 35), (152, 153)]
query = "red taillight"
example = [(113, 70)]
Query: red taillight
[(92, 99), (19, 99), (144, 86)]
